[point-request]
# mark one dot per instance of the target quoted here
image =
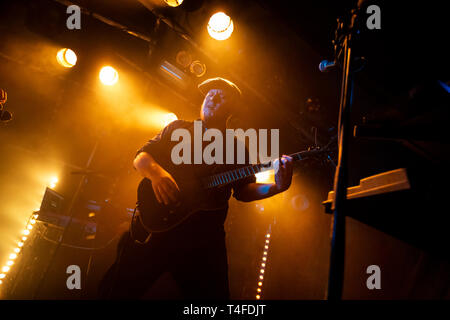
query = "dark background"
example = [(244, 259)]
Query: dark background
[(273, 56)]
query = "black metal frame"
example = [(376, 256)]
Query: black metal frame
[(344, 57)]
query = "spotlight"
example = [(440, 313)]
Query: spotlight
[(12, 256), (220, 26), (108, 76), (198, 68), (2, 275), (173, 3), (184, 59), (168, 118), (53, 182), (5, 269), (66, 57)]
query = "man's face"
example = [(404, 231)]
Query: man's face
[(216, 106)]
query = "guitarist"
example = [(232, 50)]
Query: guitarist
[(194, 252)]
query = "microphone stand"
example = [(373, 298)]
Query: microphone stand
[(343, 45)]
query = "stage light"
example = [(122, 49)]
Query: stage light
[(29, 227), (184, 59), (9, 263), (168, 118), (66, 57), (258, 296), (20, 244), (263, 264), (268, 235), (24, 238), (197, 68), (220, 26), (16, 250), (53, 182), (26, 232), (12, 256), (5, 269), (261, 277), (173, 3), (264, 258), (32, 221), (266, 247), (260, 283), (2, 275), (108, 76), (262, 270), (258, 290)]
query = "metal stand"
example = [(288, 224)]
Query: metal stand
[(71, 214), (344, 40)]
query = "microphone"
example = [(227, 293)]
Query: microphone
[(326, 65)]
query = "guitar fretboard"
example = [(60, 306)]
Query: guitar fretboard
[(231, 176)]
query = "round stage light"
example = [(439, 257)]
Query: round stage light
[(184, 59), (168, 118), (53, 182), (108, 76), (5, 269), (198, 68), (220, 26), (66, 57), (173, 3)]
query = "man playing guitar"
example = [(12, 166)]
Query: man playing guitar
[(194, 251)]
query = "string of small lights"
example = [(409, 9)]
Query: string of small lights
[(263, 263), (16, 252), (25, 233)]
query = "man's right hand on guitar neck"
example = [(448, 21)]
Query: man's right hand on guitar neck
[(164, 186)]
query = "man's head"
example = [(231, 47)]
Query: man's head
[(221, 97)]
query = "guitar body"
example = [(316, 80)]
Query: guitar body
[(194, 195), (158, 217)]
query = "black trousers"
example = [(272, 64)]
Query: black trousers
[(195, 257)]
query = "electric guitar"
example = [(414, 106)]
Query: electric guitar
[(195, 194)]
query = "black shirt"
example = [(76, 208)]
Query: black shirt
[(160, 147)]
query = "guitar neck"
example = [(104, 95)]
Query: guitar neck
[(231, 176)]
